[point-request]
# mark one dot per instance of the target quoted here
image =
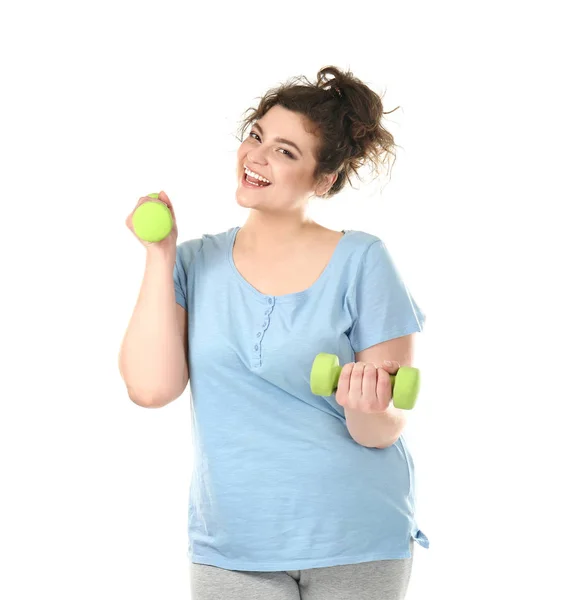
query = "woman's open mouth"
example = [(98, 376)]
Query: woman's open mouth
[(252, 183)]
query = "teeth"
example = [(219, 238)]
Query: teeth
[(255, 175)]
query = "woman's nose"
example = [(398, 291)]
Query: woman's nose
[(257, 155)]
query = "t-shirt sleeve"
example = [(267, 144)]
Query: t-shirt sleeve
[(382, 306), (180, 277)]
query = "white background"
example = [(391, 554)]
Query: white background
[(102, 103)]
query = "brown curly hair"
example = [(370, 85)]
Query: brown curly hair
[(343, 112)]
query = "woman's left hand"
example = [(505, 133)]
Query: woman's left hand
[(365, 388)]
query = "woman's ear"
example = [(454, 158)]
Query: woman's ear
[(326, 183)]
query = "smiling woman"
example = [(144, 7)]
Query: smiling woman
[(288, 489), (343, 115)]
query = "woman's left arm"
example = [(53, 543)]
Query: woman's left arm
[(365, 392)]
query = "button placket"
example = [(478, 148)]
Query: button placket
[(263, 327)]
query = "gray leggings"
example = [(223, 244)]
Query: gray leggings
[(376, 580)]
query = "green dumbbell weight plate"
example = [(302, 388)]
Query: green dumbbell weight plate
[(406, 387), (152, 221), (324, 374)]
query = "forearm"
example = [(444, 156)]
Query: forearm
[(375, 430), (152, 358)]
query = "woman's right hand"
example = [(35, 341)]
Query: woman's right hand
[(167, 244)]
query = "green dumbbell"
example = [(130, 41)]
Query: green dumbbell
[(152, 221), (326, 371)]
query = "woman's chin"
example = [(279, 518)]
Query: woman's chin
[(244, 199)]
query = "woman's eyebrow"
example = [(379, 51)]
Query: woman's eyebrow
[(279, 139)]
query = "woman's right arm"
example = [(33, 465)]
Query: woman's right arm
[(153, 356), (153, 359)]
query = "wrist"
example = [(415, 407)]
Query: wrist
[(160, 255), (375, 430)]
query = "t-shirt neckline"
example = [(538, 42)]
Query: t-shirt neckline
[(283, 297)]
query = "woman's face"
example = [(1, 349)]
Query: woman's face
[(288, 166)]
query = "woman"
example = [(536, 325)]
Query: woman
[(293, 495)]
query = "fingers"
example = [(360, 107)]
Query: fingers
[(391, 366), (344, 379), (369, 381), (383, 384), (364, 387), (356, 381), (165, 198), (357, 378)]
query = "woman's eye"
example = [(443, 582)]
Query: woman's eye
[(289, 154)]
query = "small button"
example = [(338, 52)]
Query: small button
[(259, 334), (257, 347), (270, 300)]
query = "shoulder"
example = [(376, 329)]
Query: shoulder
[(365, 246), (189, 250), (371, 260)]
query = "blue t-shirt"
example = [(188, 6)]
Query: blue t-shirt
[(278, 483)]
